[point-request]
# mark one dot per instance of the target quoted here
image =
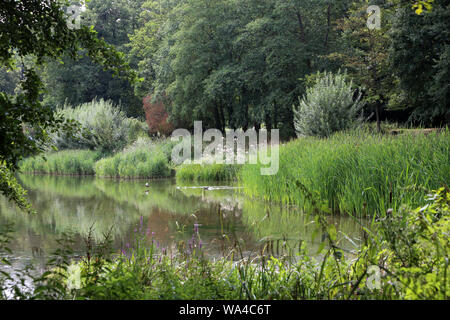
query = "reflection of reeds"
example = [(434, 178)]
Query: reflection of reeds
[(77, 203), (358, 173), (285, 228)]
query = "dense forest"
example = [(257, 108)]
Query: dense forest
[(243, 64)]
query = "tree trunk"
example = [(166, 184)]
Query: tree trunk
[(377, 115)]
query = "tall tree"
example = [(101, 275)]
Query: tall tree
[(364, 52), (82, 80), (420, 57)]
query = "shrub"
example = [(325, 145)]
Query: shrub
[(104, 127), (328, 106), (156, 117), (420, 249)]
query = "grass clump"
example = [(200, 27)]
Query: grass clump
[(355, 172), (67, 162), (143, 159), (208, 172)]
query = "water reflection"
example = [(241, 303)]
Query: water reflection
[(226, 218)]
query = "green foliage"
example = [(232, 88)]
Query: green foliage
[(327, 107), (234, 64), (409, 248), (40, 32), (208, 172), (12, 189), (70, 162), (354, 172), (78, 81), (104, 127), (141, 160), (420, 248), (419, 57)]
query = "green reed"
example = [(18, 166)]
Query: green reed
[(356, 172), (208, 172), (141, 160), (68, 162)]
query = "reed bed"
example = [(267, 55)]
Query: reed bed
[(208, 172), (68, 162), (354, 172), (141, 160)]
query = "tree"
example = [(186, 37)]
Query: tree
[(156, 117), (38, 30), (364, 52), (237, 64), (419, 56), (148, 38), (77, 81)]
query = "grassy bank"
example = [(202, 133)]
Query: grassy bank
[(355, 172), (208, 172), (68, 162), (143, 159)]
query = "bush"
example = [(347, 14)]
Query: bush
[(328, 106), (419, 246), (104, 127)]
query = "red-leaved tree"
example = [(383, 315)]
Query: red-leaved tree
[(156, 117)]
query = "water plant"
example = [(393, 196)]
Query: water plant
[(208, 172), (355, 172), (69, 162), (144, 159)]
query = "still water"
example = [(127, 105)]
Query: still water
[(166, 210)]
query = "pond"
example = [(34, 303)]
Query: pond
[(167, 211)]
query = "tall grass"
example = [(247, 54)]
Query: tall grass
[(143, 159), (357, 173), (208, 172), (70, 162)]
